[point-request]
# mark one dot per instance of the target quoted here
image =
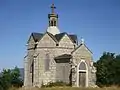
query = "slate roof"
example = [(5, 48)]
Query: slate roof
[(59, 36), (64, 56), (72, 37), (37, 36), (56, 38)]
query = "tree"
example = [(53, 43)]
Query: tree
[(5, 79), (15, 78), (108, 69), (116, 70), (10, 78), (2, 87)]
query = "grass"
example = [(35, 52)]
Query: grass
[(68, 88)]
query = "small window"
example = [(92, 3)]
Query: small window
[(32, 71), (31, 68), (57, 44), (52, 23)]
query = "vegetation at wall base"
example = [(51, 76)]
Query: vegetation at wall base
[(55, 84)]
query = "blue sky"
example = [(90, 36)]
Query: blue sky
[(97, 21)]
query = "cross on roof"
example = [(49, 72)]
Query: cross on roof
[(52, 8)]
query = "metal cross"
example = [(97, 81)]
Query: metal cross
[(52, 8)]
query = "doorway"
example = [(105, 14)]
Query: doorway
[(82, 79), (82, 76)]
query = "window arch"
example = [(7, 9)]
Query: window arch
[(82, 66), (32, 70)]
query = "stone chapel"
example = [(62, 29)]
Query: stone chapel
[(56, 56)]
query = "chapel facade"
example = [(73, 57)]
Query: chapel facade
[(54, 56)]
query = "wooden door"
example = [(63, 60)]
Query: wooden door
[(82, 79)]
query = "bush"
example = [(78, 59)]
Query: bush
[(10, 78), (54, 84)]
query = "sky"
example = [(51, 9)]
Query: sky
[(97, 21)]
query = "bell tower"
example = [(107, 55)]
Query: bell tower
[(53, 21), (53, 18)]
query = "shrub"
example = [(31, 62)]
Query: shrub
[(54, 84)]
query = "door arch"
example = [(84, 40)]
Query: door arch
[(82, 74)]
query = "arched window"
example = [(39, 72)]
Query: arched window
[(32, 71), (52, 23), (82, 66), (47, 61)]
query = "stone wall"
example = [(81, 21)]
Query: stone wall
[(48, 46), (28, 61), (63, 72), (66, 42), (50, 75), (56, 71)]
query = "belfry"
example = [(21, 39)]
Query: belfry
[(53, 22)]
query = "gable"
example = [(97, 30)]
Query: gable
[(31, 42), (71, 36), (66, 42), (82, 52), (30, 39), (47, 41), (35, 36)]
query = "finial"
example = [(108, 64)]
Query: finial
[(52, 8), (82, 41)]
